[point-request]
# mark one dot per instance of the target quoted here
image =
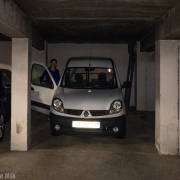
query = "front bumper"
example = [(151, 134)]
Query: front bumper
[(106, 124)]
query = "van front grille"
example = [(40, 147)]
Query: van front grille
[(73, 112), (99, 112), (93, 112)]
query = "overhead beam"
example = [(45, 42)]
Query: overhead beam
[(147, 44), (4, 38), (37, 40), (168, 27), (15, 24)]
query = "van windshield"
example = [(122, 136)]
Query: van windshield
[(89, 78)]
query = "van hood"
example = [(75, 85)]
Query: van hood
[(88, 99)]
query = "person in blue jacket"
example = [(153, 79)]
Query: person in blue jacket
[(54, 72)]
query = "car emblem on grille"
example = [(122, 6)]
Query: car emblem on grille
[(86, 114)]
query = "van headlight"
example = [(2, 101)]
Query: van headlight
[(58, 105), (116, 107)]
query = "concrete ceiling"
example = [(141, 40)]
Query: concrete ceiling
[(100, 21)]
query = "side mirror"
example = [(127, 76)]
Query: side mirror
[(126, 84), (7, 87), (51, 86)]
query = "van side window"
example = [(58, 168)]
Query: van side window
[(40, 76)]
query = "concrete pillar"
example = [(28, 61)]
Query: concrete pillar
[(167, 122), (21, 94), (145, 80)]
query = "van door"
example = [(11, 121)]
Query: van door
[(43, 88)]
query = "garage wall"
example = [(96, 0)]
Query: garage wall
[(6, 51), (39, 56), (5, 54), (145, 80), (118, 52)]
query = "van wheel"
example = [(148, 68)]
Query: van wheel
[(2, 127), (122, 134)]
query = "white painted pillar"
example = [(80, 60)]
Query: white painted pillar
[(166, 130), (21, 94), (145, 80)]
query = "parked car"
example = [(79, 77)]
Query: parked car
[(88, 98), (5, 100)]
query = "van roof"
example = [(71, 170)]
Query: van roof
[(90, 62)]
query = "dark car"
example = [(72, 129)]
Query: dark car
[(5, 100)]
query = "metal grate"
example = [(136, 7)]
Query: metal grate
[(99, 112), (73, 112)]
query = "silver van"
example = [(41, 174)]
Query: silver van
[(89, 99)]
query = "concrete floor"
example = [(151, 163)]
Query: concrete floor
[(70, 157)]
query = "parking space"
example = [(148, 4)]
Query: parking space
[(143, 44), (90, 156)]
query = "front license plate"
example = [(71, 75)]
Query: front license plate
[(85, 124)]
